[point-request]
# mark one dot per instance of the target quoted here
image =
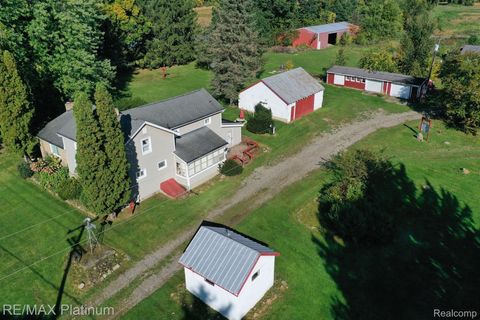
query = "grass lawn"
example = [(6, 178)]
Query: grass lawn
[(316, 284), (26, 206), (457, 22)]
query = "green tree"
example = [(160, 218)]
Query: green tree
[(340, 58), (379, 19), (416, 43), (379, 60), (126, 29), (460, 76), (273, 18), (234, 48), (115, 176), (90, 157), (172, 40), (261, 122), (65, 36), (16, 111)]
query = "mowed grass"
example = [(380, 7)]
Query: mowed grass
[(456, 21), (38, 224), (289, 224)]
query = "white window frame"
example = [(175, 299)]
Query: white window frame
[(144, 175), (164, 166), (54, 147), (207, 121), (149, 144)]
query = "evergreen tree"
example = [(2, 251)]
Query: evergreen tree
[(273, 18), (379, 19), (234, 48), (91, 160), (173, 32), (115, 175), (16, 111), (416, 43), (340, 59)]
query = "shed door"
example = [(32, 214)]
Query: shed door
[(374, 86), (400, 91), (304, 106), (338, 79)]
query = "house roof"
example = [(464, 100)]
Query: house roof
[(223, 256), (330, 28), (468, 48), (293, 85), (49, 132), (170, 114), (197, 143), (377, 75)]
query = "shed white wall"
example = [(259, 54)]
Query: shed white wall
[(260, 93), (71, 152), (318, 100), (229, 305)]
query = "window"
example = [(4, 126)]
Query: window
[(181, 169), (349, 78), (142, 173), (209, 282), (54, 150), (146, 145), (207, 121), (255, 275), (205, 162), (162, 164)]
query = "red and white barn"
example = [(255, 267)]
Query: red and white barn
[(290, 95), (391, 84), (320, 37), (227, 271)]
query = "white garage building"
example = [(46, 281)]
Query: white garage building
[(392, 84), (227, 271), (290, 95)]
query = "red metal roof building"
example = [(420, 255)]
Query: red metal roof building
[(320, 37)]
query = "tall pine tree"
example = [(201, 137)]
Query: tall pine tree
[(236, 56), (172, 39), (16, 111), (91, 160), (115, 176)]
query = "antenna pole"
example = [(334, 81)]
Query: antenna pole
[(92, 239)]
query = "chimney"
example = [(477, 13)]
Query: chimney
[(69, 105)]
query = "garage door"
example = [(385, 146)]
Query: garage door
[(338, 79), (304, 106), (400, 91), (374, 86)]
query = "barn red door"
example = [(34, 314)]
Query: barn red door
[(304, 106)]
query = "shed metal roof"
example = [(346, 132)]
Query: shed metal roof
[(468, 48), (223, 256), (377, 75), (197, 143), (330, 28), (293, 85)]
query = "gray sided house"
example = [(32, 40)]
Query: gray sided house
[(181, 140)]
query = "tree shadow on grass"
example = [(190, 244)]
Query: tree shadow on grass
[(432, 260)]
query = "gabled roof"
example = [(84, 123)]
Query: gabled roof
[(170, 114), (49, 132), (330, 28), (377, 75), (293, 85), (197, 143), (223, 256), (468, 48)]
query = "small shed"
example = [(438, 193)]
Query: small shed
[(227, 271), (468, 48), (391, 84), (321, 36), (290, 95)]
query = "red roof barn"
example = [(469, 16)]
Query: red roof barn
[(320, 37)]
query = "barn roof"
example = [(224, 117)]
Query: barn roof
[(377, 75), (468, 48), (198, 143), (223, 256), (293, 85), (330, 28)]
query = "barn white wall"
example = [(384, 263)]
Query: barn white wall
[(229, 305), (318, 100), (259, 92)]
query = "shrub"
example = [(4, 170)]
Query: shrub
[(231, 168), (53, 181), (473, 39), (24, 170), (261, 121), (69, 189)]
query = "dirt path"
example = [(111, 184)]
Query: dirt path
[(267, 180)]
